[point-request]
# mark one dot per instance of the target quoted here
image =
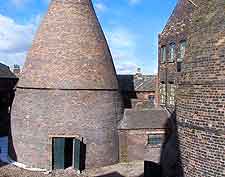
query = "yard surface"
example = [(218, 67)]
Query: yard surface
[(133, 169)]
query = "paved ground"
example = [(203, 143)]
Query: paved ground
[(134, 169)]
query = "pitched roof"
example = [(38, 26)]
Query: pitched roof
[(8, 80), (5, 72), (147, 119), (137, 82)]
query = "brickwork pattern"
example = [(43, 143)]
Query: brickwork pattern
[(69, 50), (200, 96), (134, 145), (68, 87), (174, 32), (88, 114)]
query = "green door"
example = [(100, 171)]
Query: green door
[(58, 153), (76, 153)]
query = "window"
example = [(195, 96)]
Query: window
[(162, 93), (163, 54), (172, 52), (151, 99), (154, 140), (179, 66), (182, 51), (171, 88)]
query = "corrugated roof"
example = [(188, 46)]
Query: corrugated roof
[(147, 119)]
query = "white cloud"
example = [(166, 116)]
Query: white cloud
[(132, 2), (127, 68), (100, 7), (120, 37), (122, 44), (15, 39)]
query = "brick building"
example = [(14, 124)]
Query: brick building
[(142, 129), (16, 70), (137, 88), (172, 48), (201, 93), (67, 102), (141, 134), (191, 77)]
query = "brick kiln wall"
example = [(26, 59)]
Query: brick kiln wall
[(88, 114), (201, 94), (68, 87), (69, 50)]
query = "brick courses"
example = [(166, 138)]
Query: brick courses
[(175, 31), (200, 95), (68, 87)]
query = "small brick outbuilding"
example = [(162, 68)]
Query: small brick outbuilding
[(141, 134)]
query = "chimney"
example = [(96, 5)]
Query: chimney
[(16, 69)]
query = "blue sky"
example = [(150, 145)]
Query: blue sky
[(131, 28)]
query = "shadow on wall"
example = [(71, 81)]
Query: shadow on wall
[(170, 158), (127, 89), (6, 101), (12, 152)]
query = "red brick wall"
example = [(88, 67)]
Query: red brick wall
[(133, 145), (201, 94), (174, 32), (68, 87)]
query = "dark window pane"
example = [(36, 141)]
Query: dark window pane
[(154, 140), (179, 65)]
